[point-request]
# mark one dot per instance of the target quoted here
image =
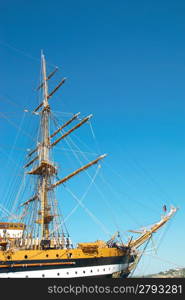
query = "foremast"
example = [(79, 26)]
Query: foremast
[(44, 167), (44, 156)]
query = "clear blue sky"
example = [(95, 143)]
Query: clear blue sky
[(125, 61)]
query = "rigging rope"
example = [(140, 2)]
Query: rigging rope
[(141, 254), (4, 210), (5, 44), (69, 141), (97, 188), (16, 137), (118, 197), (22, 186), (104, 229), (81, 200), (165, 260), (16, 126), (85, 193)]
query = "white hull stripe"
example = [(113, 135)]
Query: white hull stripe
[(68, 272)]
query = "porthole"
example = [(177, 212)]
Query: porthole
[(103, 269), (47, 255), (8, 257), (26, 256), (26, 276), (43, 275), (83, 271), (76, 272), (91, 271), (67, 273), (58, 274), (57, 255), (98, 270)]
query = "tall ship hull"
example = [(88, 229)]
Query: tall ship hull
[(38, 243), (67, 268)]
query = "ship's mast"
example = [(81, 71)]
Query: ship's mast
[(44, 153), (43, 166)]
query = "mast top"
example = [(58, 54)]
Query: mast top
[(45, 85)]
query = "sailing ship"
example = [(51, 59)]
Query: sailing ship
[(39, 247)]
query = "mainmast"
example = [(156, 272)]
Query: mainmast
[(44, 153), (43, 166)]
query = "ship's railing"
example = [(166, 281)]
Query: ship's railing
[(35, 243)]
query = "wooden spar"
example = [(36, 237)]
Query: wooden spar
[(137, 231), (49, 76), (33, 151), (32, 161), (71, 130), (30, 200), (59, 129), (64, 125), (37, 108), (77, 171), (144, 237), (57, 87)]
